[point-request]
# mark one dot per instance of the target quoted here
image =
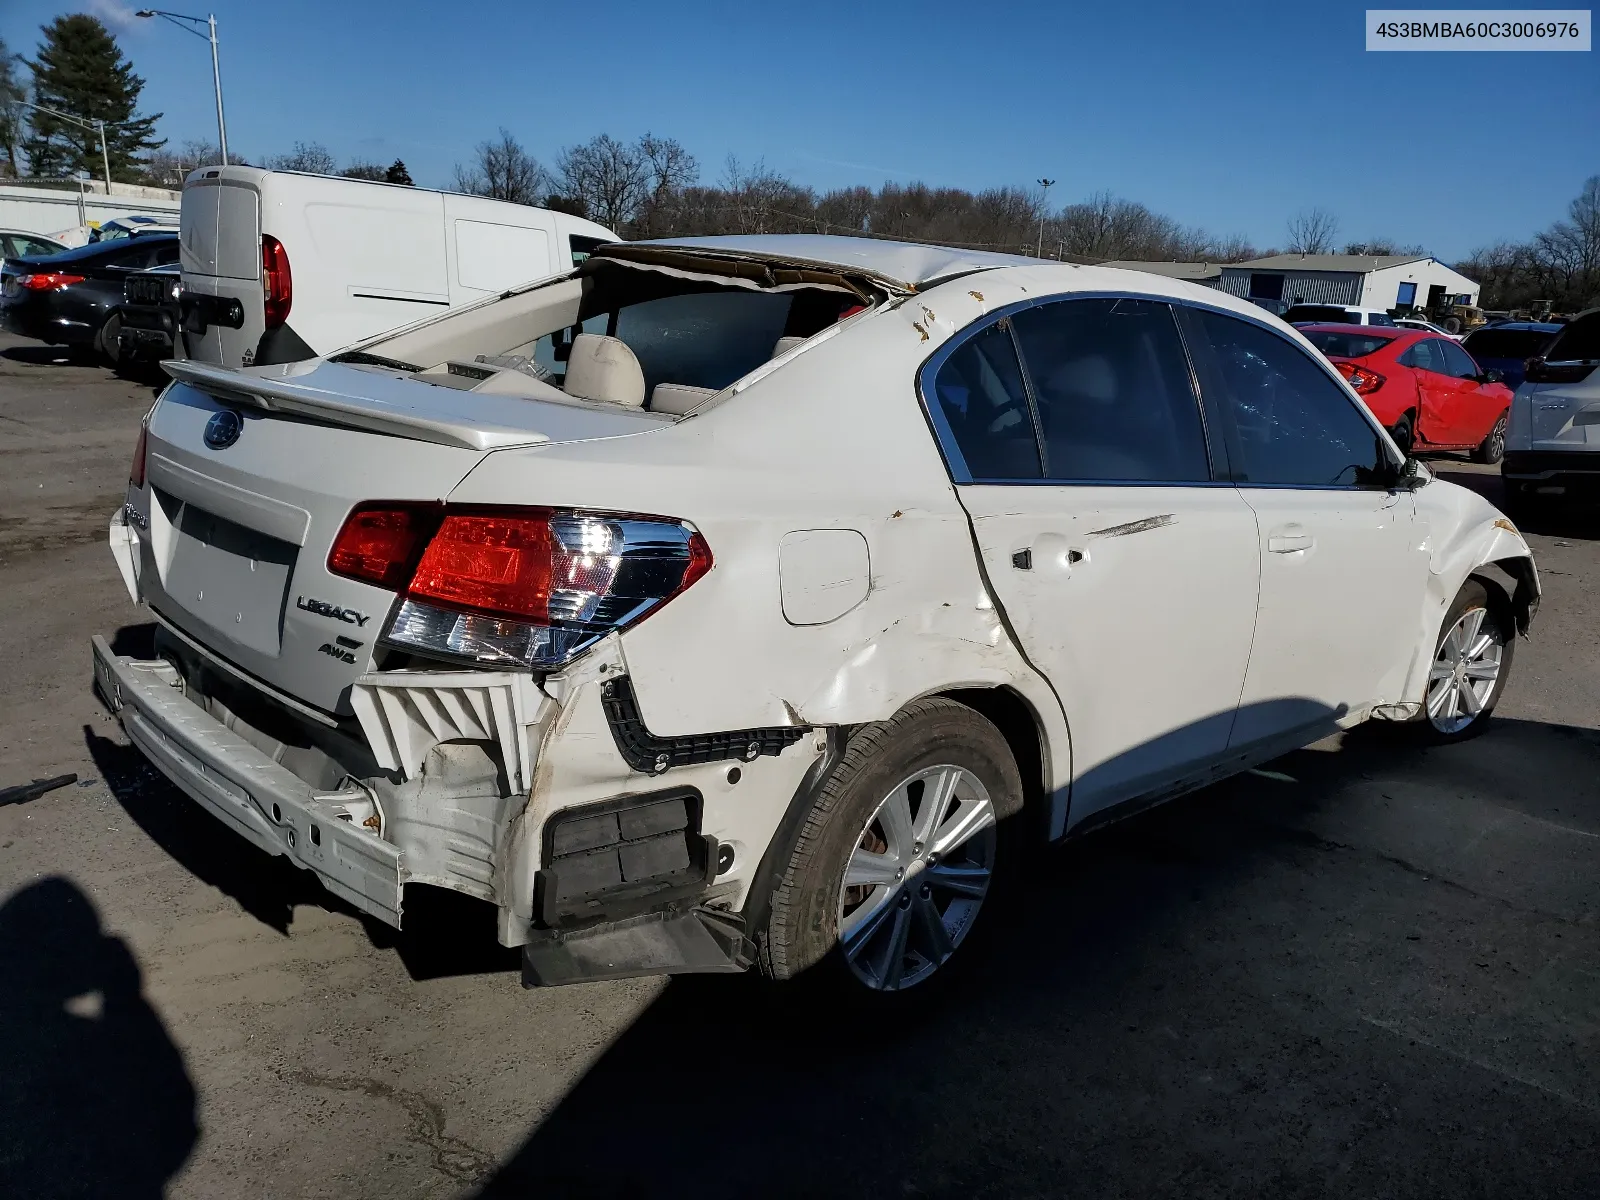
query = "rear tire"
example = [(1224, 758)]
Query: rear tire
[(921, 875), (1471, 663), (1493, 447), (1403, 433)]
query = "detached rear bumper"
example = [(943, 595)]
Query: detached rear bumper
[(249, 792)]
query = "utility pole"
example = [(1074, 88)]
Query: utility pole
[(210, 22), (96, 126), (1044, 196)]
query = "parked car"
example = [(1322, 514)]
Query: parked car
[(1552, 447), (1426, 390), (1422, 326), (136, 225), (15, 243), (152, 315), (1507, 348), (751, 600), (1343, 314), (74, 298), (314, 263)]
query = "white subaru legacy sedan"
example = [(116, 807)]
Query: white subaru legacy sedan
[(748, 601)]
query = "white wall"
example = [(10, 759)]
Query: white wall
[(1380, 289), (49, 210)]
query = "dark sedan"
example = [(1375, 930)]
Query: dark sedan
[(1507, 346), (74, 298)]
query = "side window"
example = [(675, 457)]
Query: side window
[(1113, 389), (980, 394), (165, 254), (31, 247), (1425, 356), (707, 339), (1296, 426), (582, 247), (1457, 361), (1380, 319)]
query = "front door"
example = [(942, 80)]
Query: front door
[(1342, 569), (1126, 573)]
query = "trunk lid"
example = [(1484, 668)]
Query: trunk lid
[(252, 476)]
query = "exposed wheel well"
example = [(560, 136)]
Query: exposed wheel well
[(1011, 714)]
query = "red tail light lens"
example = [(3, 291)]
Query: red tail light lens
[(136, 471), (48, 282), (1363, 379), (277, 283), (380, 543), (528, 587)]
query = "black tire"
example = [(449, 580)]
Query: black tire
[(1493, 447), (802, 929), (1497, 621), (105, 342), (1403, 433), (1452, 324)]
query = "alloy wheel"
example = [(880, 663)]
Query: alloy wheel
[(1465, 670), (917, 877)]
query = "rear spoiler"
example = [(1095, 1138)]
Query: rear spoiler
[(471, 420)]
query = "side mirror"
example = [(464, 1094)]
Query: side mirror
[(561, 345), (1494, 376), (1412, 475)]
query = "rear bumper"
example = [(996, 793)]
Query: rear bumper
[(249, 792), (1548, 464)]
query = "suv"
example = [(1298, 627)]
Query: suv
[(753, 600), (1550, 454)]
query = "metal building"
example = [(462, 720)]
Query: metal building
[(1382, 281)]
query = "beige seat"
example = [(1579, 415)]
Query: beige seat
[(678, 398), (786, 344), (604, 369)]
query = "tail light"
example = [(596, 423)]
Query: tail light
[(48, 282), (1537, 370), (277, 284), (523, 587), (136, 471), (1364, 380)]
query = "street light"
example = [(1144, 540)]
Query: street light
[(94, 126), (210, 22), (1038, 251)]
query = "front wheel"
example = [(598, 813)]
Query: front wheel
[(1470, 665), (1493, 447), (899, 852)]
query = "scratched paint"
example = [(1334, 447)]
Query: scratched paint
[(1141, 526)]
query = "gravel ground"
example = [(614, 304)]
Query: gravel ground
[(1374, 972)]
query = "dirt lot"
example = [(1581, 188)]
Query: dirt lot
[(1375, 971)]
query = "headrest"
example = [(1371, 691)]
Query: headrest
[(786, 344), (1090, 377), (603, 368), (676, 399)]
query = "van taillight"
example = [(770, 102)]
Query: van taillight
[(526, 587), (277, 284), (136, 472)]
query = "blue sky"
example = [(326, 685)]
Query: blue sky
[(1229, 117)]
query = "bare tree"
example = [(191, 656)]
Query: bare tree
[(1311, 231), (669, 169), (312, 157), (168, 167), (611, 178), (503, 170)]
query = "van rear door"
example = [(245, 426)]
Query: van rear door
[(219, 231)]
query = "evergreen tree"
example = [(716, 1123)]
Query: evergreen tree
[(80, 70), (11, 110), (397, 173)]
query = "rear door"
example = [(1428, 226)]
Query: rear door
[(1127, 574), (1342, 570), (219, 230)]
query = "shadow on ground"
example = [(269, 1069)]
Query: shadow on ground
[(94, 1096), (49, 356), (1181, 1005), (1555, 520)]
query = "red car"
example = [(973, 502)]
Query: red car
[(1425, 389)]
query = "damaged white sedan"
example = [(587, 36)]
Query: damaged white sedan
[(744, 601)]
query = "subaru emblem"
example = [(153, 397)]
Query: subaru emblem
[(223, 429)]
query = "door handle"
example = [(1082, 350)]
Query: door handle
[(1289, 541)]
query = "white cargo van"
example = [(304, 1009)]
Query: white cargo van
[(280, 265)]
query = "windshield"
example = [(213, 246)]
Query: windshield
[(1508, 343), (1336, 343)]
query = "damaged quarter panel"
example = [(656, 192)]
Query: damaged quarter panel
[(834, 440)]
